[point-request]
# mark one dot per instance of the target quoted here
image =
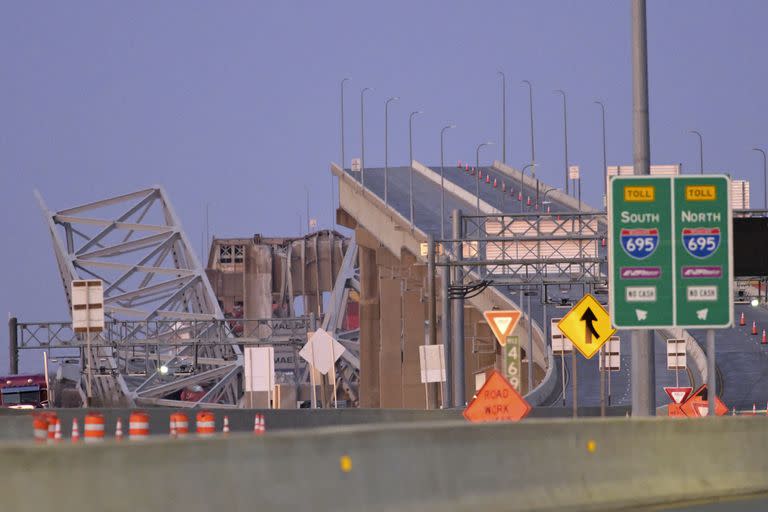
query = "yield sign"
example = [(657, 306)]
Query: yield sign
[(678, 395), (502, 323), (587, 325), (497, 400)]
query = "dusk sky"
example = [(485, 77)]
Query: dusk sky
[(236, 104)]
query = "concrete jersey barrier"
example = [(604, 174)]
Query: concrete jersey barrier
[(534, 465)]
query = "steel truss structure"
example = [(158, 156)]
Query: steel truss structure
[(533, 248), (154, 289)]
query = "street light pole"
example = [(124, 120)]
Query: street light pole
[(765, 178), (343, 157), (701, 150), (477, 178), (362, 137), (503, 116), (442, 182), (410, 159), (533, 146), (522, 183), (605, 160), (565, 134), (386, 145)]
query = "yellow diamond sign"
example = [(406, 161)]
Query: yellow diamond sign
[(587, 325)]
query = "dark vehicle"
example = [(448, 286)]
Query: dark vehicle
[(23, 391)]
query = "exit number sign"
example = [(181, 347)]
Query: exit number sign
[(670, 256)]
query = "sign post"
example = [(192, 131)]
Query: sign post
[(670, 256)]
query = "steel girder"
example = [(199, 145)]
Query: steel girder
[(135, 244)]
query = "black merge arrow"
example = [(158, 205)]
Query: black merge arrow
[(588, 317)]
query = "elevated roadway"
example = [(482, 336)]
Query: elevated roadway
[(743, 367)]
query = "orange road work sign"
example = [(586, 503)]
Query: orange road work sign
[(497, 400), (502, 323)]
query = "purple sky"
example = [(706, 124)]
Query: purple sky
[(237, 103)]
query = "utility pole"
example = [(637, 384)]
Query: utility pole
[(643, 365)]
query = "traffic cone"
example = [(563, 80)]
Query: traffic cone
[(75, 431), (487, 178), (57, 433), (528, 202), (119, 430), (466, 169), (754, 410), (733, 412), (764, 341), (479, 174), (547, 208), (256, 425), (536, 206), (602, 242), (225, 430), (742, 321), (473, 171), (754, 328), (459, 165), (495, 185), (503, 186), (520, 196), (263, 424)]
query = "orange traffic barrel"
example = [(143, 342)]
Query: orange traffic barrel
[(52, 422), (93, 430), (40, 428), (138, 426), (206, 424), (179, 424)]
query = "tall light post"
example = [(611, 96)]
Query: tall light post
[(522, 182), (503, 116), (477, 166), (765, 178), (410, 158), (546, 193), (386, 145), (565, 135), (362, 137), (533, 145), (605, 160), (442, 182), (343, 156), (701, 150)]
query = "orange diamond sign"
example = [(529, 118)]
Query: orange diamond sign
[(497, 400), (502, 323)]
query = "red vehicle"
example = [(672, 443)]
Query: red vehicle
[(23, 391)]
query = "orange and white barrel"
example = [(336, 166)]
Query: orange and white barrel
[(40, 428), (206, 424), (93, 429), (180, 424), (138, 426), (52, 421)]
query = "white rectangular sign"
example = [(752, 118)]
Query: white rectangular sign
[(259, 369), (87, 305), (432, 362), (573, 172), (676, 359), (560, 344), (356, 165), (612, 355)]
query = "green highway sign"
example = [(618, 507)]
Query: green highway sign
[(670, 254)]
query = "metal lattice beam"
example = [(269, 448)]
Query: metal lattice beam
[(136, 245)]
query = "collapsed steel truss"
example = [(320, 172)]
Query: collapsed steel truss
[(135, 244)]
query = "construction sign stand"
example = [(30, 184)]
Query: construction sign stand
[(497, 400)]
